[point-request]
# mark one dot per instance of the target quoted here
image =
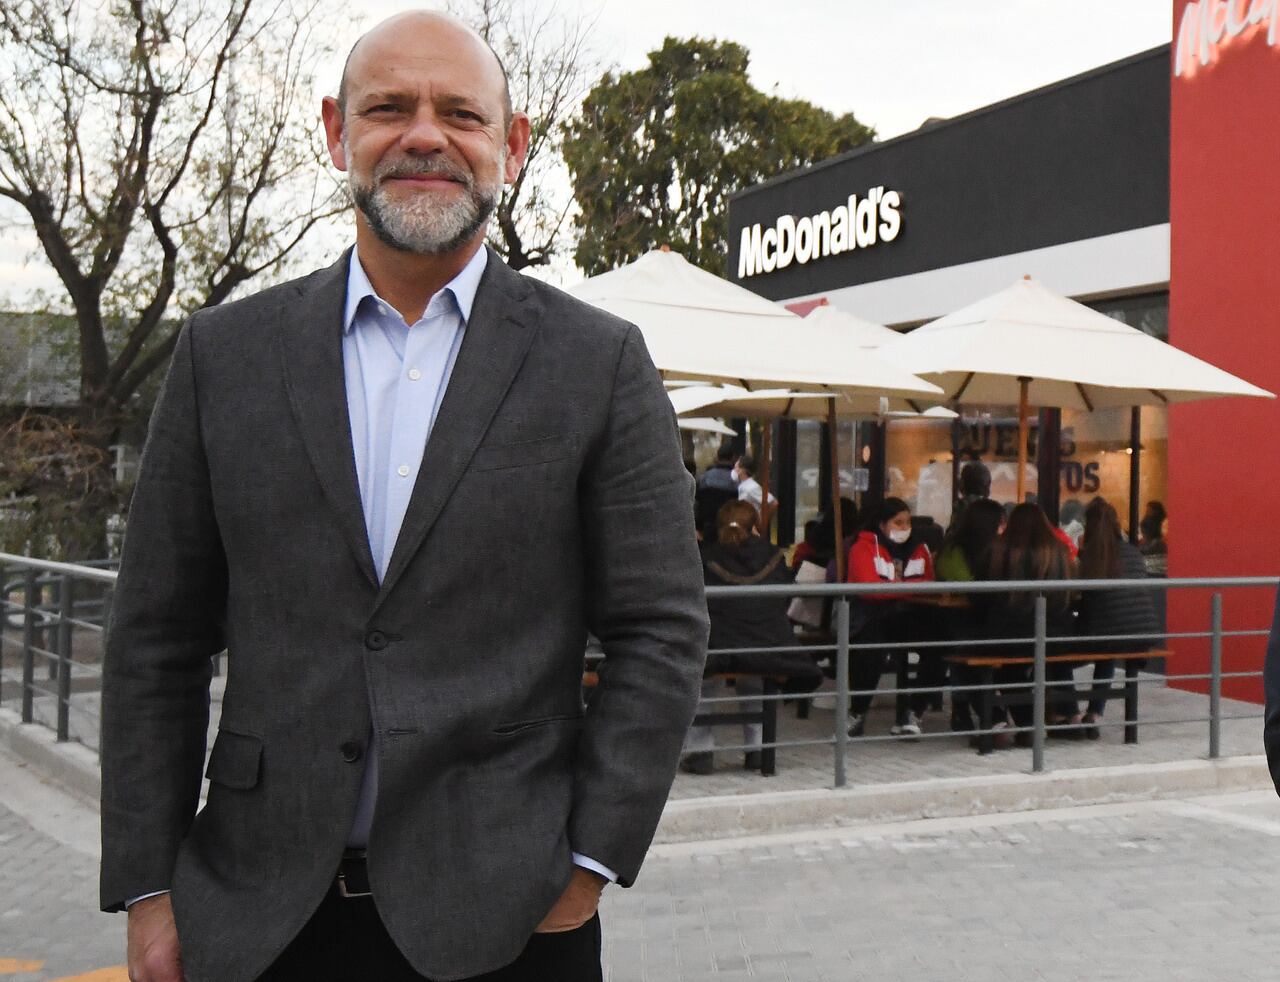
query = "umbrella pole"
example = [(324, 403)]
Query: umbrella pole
[(766, 468), (835, 487), (1023, 424), (1135, 462)]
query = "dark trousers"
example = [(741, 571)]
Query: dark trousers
[(345, 941), (895, 625)]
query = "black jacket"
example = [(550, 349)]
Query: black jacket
[(751, 622), (1271, 682), (1108, 612)]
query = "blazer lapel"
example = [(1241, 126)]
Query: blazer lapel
[(311, 351), (502, 326)]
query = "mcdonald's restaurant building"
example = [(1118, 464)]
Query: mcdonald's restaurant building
[(1148, 189)]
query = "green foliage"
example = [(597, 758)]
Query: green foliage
[(655, 153), (56, 490)]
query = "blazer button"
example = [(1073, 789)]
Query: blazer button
[(375, 640), (350, 751)]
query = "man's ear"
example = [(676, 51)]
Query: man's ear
[(517, 147), (331, 114)]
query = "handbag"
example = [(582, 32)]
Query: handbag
[(808, 611)]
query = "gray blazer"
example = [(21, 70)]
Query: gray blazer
[(551, 501)]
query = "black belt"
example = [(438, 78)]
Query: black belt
[(353, 874)]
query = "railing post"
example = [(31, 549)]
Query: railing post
[(50, 642), (65, 604), (1038, 691), (842, 688), (1215, 677), (31, 597)]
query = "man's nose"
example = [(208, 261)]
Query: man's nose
[(425, 132)]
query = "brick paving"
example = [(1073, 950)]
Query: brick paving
[(49, 905), (1162, 890), (1169, 890)]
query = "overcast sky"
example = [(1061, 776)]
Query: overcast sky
[(894, 63)]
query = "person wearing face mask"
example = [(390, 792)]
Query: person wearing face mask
[(889, 552), (749, 488)]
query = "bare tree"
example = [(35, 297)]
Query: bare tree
[(550, 66), (164, 154)]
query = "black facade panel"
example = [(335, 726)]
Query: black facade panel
[(1081, 158)]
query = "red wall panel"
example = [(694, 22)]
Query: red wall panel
[(1224, 456)]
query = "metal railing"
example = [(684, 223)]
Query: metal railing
[(843, 644), (48, 604), (54, 616)]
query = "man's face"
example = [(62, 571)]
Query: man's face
[(423, 137)]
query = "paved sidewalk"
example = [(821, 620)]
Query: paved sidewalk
[(1163, 890), (1152, 890)]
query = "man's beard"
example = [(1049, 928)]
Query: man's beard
[(421, 224)]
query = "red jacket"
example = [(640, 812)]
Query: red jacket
[(870, 562), (1065, 539)]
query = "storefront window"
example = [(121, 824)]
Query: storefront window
[(853, 473), (920, 453)]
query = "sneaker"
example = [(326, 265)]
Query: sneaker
[(910, 730), (856, 725)]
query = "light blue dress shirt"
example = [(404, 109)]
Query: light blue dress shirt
[(396, 376)]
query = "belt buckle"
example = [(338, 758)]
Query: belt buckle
[(348, 894), (354, 857)]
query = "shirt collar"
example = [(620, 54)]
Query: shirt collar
[(463, 287)]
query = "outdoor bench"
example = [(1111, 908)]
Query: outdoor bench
[(766, 715), (987, 698)]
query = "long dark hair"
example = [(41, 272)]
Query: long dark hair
[(889, 508), (1100, 545), (1028, 550), (976, 533)]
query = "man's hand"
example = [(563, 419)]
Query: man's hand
[(153, 942), (576, 905)]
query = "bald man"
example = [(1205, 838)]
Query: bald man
[(399, 492)]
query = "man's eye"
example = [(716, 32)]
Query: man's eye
[(383, 107)]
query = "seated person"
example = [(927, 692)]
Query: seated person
[(965, 557), (889, 552), (1030, 549), (1105, 554), (740, 557)]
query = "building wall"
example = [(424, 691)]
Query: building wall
[(1225, 307), (1068, 182)]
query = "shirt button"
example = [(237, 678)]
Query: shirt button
[(350, 751), (376, 640), (414, 374), (403, 470)]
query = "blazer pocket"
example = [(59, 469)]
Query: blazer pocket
[(524, 454), (509, 729), (236, 760)]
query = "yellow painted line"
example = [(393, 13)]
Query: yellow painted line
[(12, 966), (117, 974)]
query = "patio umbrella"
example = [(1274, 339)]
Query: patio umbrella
[(705, 424), (1030, 346), (699, 326), (735, 401)]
